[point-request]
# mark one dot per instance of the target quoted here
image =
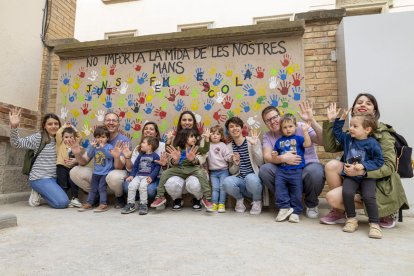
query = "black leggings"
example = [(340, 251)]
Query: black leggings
[(64, 181), (367, 187)]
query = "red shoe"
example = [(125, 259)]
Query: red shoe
[(207, 204), (333, 217), (158, 202)]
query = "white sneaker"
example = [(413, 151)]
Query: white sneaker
[(34, 199), (283, 214), (294, 218), (312, 213), (75, 203), (256, 208), (240, 208)]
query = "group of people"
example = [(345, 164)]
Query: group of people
[(201, 163)]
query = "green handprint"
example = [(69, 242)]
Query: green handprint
[(230, 114), (261, 100), (173, 80), (164, 105), (136, 135), (121, 101), (95, 104), (239, 95), (161, 94), (194, 93), (273, 72), (285, 102), (163, 126), (64, 100), (137, 89), (86, 121)]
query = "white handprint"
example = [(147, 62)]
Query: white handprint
[(157, 86), (124, 88), (252, 122), (86, 130), (273, 82), (63, 112), (100, 115), (198, 117), (220, 97), (93, 76)]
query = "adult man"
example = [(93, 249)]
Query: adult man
[(82, 175), (313, 173)]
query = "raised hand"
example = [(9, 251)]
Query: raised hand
[(126, 151), (191, 154), (332, 112), (163, 159), (173, 153), (206, 133), (306, 111), (14, 117), (116, 151), (253, 139)]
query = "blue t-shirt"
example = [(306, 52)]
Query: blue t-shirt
[(291, 143), (103, 160), (145, 165)]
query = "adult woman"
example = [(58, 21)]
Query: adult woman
[(42, 177), (149, 129), (176, 186), (390, 193)]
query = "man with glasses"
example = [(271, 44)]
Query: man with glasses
[(82, 175), (313, 173)]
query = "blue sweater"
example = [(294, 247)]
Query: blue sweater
[(145, 165), (291, 143)]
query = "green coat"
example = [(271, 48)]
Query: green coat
[(390, 192)]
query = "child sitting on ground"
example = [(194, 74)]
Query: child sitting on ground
[(144, 172)]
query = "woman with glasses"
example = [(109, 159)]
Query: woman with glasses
[(313, 173)]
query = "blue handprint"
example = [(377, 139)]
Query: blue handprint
[(199, 74), (108, 102), (73, 122), (296, 93), (65, 79), (218, 79), (273, 100), (208, 104), (164, 138), (88, 96), (148, 108), (142, 79), (85, 143), (72, 97), (247, 73), (130, 100), (165, 80), (96, 90), (127, 124), (282, 74), (179, 105), (245, 106), (248, 88)]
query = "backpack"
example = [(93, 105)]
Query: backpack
[(404, 164), (30, 157)]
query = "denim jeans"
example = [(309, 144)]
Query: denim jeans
[(98, 186), (151, 189), (217, 178), (313, 178), (289, 189), (50, 190), (250, 186)]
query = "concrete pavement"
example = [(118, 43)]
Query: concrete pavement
[(66, 242)]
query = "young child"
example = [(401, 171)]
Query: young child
[(100, 150), (219, 157), (64, 136), (187, 141), (144, 172), (289, 177), (362, 153)]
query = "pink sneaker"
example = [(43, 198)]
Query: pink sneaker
[(207, 204), (333, 217), (158, 202), (387, 222)]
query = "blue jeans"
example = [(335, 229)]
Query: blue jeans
[(217, 178), (289, 189), (50, 190), (98, 185), (250, 186), (151, 189)]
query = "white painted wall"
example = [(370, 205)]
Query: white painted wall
[(379, 59), (21, 52)]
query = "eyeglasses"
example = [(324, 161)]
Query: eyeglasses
[(271, 120), (111, 120)]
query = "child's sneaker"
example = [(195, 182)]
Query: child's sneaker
[(333, 217), (313, 212), (158, 202), (351, 225), (75, 203), (375, 231), (207, 204), (283, 214), (240, 208), (215, 207), (128, 208), (388, 222), (34, 199), (196, 204), (221, 208), (178, 204), (142, 209), (101, 208), (294, 218), (256, 208), (85, 207)]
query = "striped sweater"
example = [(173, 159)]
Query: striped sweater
[(45, 164)]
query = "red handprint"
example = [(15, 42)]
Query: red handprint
[(284, 89), (111, 90), (136, 125), (112, 70), (121, 113), (286, 60), (161, 113), (141, 98), (183, 90), (137, 67), (245, 130), (85, 109), (173, 95), (296, 79), (81, 73), (200, 127), (227, 102), (259, 72), (206, 86), (219, 117)]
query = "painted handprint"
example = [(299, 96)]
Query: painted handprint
[(259, 72), (130, 99), (127, 126), (179, 106), (136, 107), (248, 88), (199, 74), (206, 86), (124, 88), (247, 72), (108, 102), (220, 97), (81, 72), (136, 125), (184, 90), (297, 78), (165, 80), (261, 100), (110, 90), (100, 115), (88, 96), (220, 118), (286, 60), (112, 69), (63, 112), (157, 86), (148, 108), (252, 122), (208, 104), (97, 90), (285, 102), (141, 79), (284, 87), (65, 78), (121, 113), (137, 67), (93, 76), (228, 101), (141, 98), (245, 106), (172, 95), (86, 130), (73, 122), (297, 91), (161, 113), (282, 74), (85, 109), (72, 97), (217, 79), (273, 82), (273, 100), (230, 114)]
